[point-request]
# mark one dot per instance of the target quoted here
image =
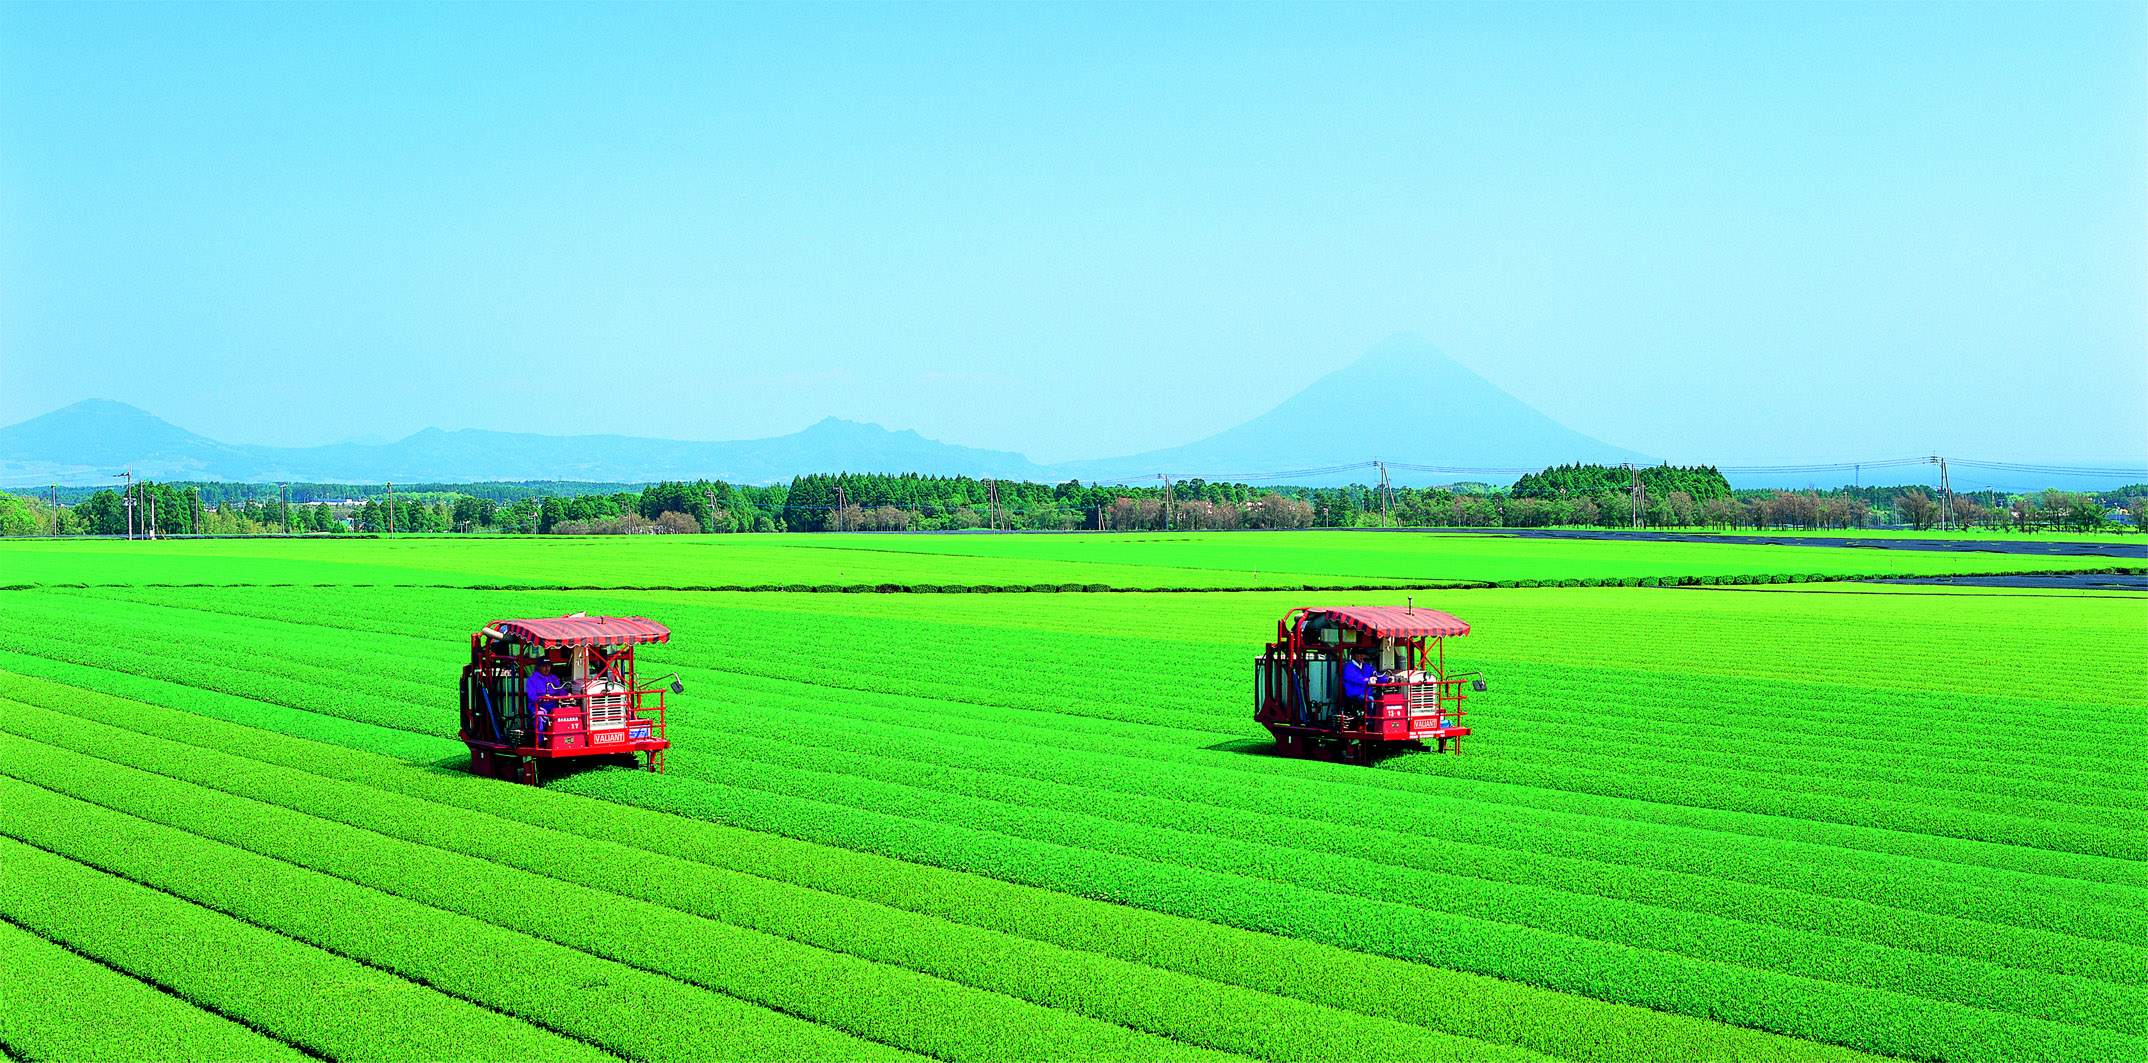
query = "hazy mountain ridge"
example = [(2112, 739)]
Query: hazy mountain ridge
[(56, 448), (1401, 401)]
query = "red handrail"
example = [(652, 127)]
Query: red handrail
[(547, 711)]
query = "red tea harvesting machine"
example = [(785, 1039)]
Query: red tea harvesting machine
[(539, 691), (1343, 684)]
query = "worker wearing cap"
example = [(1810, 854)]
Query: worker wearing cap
[(1356, 673), (542, 684)]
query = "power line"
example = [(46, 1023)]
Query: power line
[(2061, 470)]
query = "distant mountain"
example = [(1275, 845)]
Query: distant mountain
[(86, 442), (89, 441), (1402, 401)]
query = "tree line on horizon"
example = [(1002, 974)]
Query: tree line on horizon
[(1560, 496)]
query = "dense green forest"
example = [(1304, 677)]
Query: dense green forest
[(1563, 496), (1700, 483)]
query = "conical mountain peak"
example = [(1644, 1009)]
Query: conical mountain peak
[(1403, 400)]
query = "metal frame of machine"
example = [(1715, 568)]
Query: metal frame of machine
[(609, 717), (1298, 683)]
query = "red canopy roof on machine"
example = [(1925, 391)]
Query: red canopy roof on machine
[(1386, 622), (579, 630)]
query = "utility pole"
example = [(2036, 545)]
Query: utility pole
[(1387, 496), (150, 529), (992, 503), (283, 507), (391, 509), (55, 510), (126, 499), (1167, 501), (842, 502), (1946, 495), (712, 507), (1637, 502)]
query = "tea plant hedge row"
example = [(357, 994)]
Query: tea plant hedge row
[(1220, 815), (1977, 905), (1009, 746), (1872, 1019), (572, 935), (1183, 1008), (322, 1003), (333, 701), (2008, 852), (2030, 992), (1562, 1025), (513, 973), (387, 711), (1700, 817), (2034, 660), (2037, 825), (1481, 821), (62, 1005)]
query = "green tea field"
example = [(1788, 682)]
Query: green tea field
[(1802, 821)]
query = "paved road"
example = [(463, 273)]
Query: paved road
[(2024, 547)]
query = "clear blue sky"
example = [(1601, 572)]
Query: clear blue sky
[(1747, 233)]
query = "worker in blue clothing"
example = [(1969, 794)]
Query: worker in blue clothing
[(542, 684), (1357, 672)]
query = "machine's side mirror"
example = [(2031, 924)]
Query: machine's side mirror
[(680, 688), (1478, 684)]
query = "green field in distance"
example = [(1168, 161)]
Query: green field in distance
[(1116, 560)]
